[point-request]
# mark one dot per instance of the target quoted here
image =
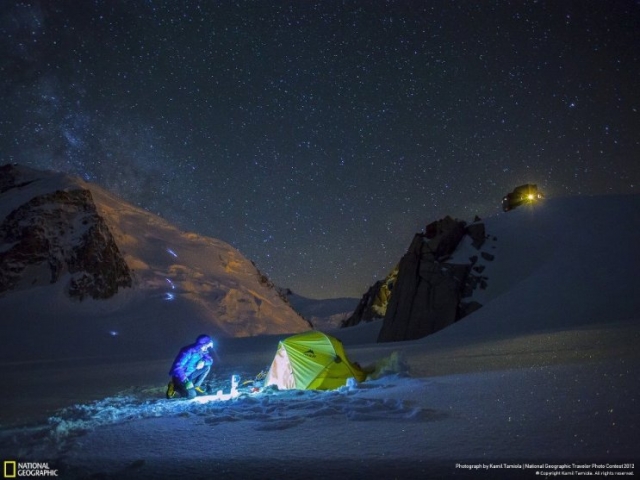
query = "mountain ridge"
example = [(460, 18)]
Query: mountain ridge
[(189, 282), (521, 256)]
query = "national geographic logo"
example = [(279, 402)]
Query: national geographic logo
[(13, 469)]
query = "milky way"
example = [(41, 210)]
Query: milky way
[(318, 137)]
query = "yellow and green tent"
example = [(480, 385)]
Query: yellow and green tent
[(311, 361)]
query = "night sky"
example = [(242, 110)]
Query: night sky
[(318, 137)]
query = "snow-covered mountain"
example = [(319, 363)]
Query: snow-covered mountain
[(91, 272), (326, 314), (556, 253)]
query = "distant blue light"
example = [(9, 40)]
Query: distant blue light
[(172, 252), (113, 333), (171, 283), (169, 296)]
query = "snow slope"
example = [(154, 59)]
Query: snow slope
[(545, 374), (323, 314), (183, 282)]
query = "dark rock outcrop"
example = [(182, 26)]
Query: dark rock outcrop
[(430, 290), (477, 233), (373, 304), (9, 178), (58, 235), (364, 311)]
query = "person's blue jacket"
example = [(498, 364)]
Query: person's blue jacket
[(188, 360)]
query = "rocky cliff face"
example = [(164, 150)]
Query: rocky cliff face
[(429, 289), (58, 236), (373, 305), (64, 240)]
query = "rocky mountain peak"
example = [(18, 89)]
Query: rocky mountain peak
[(58, 236), (63, 240), (428, 289)]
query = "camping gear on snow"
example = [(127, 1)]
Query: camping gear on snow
[(312, 361), (220, 395)]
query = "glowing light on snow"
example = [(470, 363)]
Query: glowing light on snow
[(220, 395), (172, 252)]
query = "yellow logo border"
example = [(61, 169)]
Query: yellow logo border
[(15, 469)]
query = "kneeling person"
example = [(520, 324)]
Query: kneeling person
[(190, 368)]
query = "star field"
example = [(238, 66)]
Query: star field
[(318, 137)]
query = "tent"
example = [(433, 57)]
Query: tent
[(311, 361)]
